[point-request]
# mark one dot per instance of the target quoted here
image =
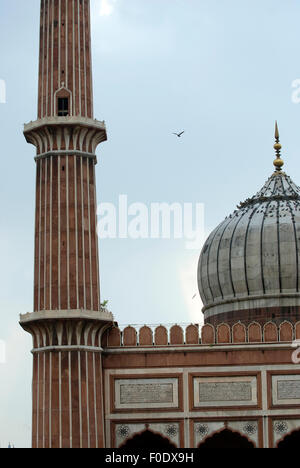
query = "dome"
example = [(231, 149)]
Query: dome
[(251, 262)]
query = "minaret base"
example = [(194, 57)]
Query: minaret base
[(67, 377)]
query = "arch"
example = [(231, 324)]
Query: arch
[(63, 92), (114, 337), (286, 332), (226, 439), (239, 333), (254, 333), (290, 441), (176, 335), (223, 334), (148, 440), (192, 334), (146, 336), (161, 336), (270, 332), (129, 336), (208, 334)]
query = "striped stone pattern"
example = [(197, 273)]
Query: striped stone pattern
[(65, 56), (67, 366), (66, 246), (67, 386)]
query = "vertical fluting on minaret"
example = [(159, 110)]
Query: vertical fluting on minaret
[(65, 56), (68, 321), (66, 256)]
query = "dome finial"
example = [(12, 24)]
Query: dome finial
[(278, 163)]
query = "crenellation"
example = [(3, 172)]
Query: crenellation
[(239, 333), (204, 335), (270, 332), (286, 332)]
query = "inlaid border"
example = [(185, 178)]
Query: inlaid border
[(270, 376), (233, 407), (178, 407)]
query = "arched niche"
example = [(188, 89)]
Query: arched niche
[(239, 334), (270, 332), (148, 440), (226, 439), (254, 333), (286, 332), (63, 105), (290, 441)]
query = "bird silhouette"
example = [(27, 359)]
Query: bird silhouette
[(179, 134)]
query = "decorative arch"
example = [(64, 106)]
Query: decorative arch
[(208, 334), (176, 335), (239, 334), (148, 439), (114, 337), (254, 333), (290, 440), (145, 336), (286, 331), (226, 439), (161, 336), (63, 92), (129, 336), (192, 334), (270, 332), (223, 334)]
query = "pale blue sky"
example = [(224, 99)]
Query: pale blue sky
[(220, 69)]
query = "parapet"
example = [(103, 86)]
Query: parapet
[(202, 335)]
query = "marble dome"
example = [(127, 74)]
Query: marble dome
[(251, 260)]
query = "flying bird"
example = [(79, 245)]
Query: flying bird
[(194, 296), (179, 134)]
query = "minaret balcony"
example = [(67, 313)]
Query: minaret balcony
[(68, 134)]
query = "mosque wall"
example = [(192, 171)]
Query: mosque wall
[(187, 392)]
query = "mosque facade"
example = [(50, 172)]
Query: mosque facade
[(233, 382)]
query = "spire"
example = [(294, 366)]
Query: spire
[(278, 162)]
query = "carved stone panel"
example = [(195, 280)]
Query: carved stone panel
[(225, 391), (286, 389), (146, 393)]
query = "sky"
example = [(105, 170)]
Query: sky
[(223, 71)]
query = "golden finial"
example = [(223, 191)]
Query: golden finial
[(278, 163)]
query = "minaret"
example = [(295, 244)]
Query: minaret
[(68, 321)]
